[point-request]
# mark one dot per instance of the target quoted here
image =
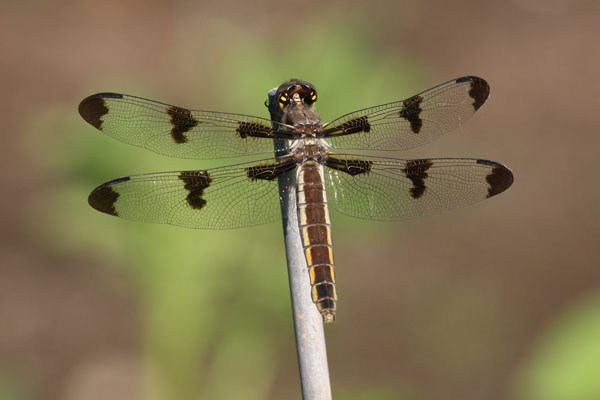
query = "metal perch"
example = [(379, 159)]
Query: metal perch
[(308, 322)]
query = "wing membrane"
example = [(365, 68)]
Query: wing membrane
[(388, 189), (413, 122), (177, 131), (221, 198)]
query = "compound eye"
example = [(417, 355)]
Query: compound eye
[(283, 100), (311, 98)]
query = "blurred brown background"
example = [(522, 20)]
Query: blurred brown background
[(500, 300)]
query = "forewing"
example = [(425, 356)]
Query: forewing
[(387, 189), (220, 198), (177, 131), (413, 122)]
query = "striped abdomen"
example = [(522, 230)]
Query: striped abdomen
[(315, 229)]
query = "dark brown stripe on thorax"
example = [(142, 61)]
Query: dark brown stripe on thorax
[(315, 230)]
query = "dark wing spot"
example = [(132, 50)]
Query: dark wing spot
[(416, 171), (268, 172), (412, 112), (104, 197), (479, 91), (265, 172), (352, 167), (500, 179), (253, 129), (195, 183), (356, 125), (182, 121), (93, 108)]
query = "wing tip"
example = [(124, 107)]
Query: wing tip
[(479, 90), (93, 108), (104, 197), (500, 177)]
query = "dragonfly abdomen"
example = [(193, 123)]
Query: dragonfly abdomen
[(315, 230)]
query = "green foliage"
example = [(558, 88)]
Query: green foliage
[(13, 389), (372, 392), (566, 363)]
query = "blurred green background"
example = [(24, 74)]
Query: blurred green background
[(500, 300)]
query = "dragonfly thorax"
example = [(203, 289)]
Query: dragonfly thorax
[(309, 148)]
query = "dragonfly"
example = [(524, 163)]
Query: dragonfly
[(296, 144)]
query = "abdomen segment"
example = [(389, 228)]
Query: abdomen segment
[(315, 230)]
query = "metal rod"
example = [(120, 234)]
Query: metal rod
[(308, 322)]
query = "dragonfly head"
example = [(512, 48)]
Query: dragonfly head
[(296, 92)]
